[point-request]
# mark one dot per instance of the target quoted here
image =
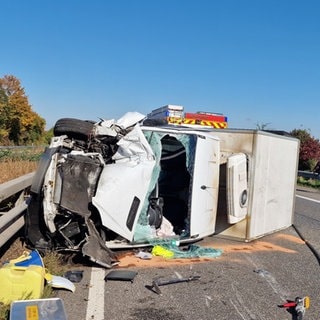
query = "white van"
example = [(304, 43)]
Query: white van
[(123, 184)]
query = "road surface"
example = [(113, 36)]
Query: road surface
[(247, 282)]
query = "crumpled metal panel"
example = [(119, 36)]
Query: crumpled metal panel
[(79, 175)]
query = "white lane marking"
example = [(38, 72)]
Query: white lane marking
[(240, 306), (95, 308), (305, 198)]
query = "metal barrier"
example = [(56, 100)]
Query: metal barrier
[(11, 221)]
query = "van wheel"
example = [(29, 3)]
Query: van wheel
[(73, 128)]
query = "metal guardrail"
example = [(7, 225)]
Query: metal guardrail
[(308, 175), (12, 221)]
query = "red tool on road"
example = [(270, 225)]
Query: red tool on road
[(299, 305)]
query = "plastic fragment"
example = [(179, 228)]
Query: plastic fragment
[(162, 251), (74, 275), (144, 255)]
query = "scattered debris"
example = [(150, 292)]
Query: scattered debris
[(157, 283), (144, 255), (297, 307), (122, 275), (42, 309), (192, 251), (74, 275), (262, 272), (162, 251), (59, 282)]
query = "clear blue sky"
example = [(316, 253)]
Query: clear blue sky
[(256, 61)]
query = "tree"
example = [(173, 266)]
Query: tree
[(3, 115), (48, 135), (262, 126), (18, 122), (309, 152)]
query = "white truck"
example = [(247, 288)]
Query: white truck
[(167, 112), (119, 184)]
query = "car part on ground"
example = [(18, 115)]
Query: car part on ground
[(297, 307), (158, 282)]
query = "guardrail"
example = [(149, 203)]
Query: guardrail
[(12, 216), (308, 175)]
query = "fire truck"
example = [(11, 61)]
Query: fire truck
[(173, 114)]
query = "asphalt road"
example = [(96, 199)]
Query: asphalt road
[(247, 282)]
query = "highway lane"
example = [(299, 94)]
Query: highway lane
[(248, 281), (307, 216)]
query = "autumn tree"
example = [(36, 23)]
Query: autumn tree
[(3, 116), (19, 124), (309, 152)]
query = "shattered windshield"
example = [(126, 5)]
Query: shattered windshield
[(171, 175)]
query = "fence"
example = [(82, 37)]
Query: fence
[(13, 200)]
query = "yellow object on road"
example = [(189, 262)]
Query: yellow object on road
[(161, 251)]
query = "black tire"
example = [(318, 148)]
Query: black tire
[(73, 128)]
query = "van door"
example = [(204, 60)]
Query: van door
[(205, 182), (237, 187), (124, 184)]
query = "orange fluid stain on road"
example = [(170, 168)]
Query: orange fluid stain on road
[(256, 246), (130, 260), (290, 238)]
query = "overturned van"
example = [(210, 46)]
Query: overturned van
[(107, 185), (132, 182)]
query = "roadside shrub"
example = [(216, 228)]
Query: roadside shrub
[(312, 183), (21, 154)]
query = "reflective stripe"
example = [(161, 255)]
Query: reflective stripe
[(207, 123), (174, 120)]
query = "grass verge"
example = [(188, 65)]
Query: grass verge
[(308, 182)]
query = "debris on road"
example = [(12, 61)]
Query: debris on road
[(158, 282), (297, 307), (144, 255), (121, 275), (192, 251), (38, 309), (74, 275)]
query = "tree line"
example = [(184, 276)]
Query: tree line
[(309, 151), (20, 125)]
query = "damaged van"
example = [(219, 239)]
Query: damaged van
[(120, 184), (138, 181)]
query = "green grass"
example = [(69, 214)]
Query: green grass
[(20, 153), (312, 183)]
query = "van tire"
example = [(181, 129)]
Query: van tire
[(73, 128)]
